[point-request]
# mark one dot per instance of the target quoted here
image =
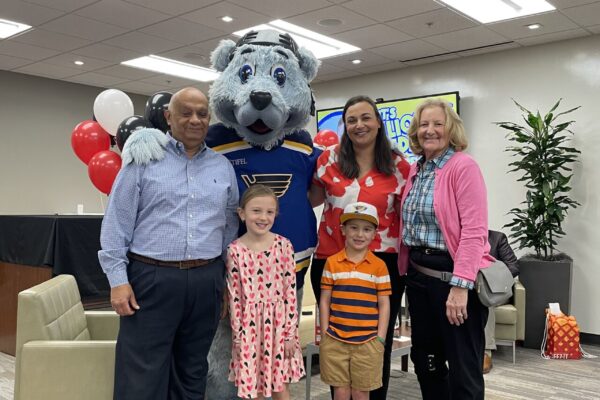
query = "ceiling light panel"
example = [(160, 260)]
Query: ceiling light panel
[(321, 46), (11, 28), (173, 67), (498, 10)]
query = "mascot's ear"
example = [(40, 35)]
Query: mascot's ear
[(221, 56), (309, 64)]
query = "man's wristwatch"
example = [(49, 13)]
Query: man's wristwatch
[(382, 340)]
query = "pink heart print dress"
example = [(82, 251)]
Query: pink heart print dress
[(263, 313)]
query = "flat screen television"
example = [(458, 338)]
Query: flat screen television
[(396, 115)]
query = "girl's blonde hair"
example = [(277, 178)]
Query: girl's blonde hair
[(257, 190), (454, 126)]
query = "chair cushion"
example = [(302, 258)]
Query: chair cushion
[(506, 314)]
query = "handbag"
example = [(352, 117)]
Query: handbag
[(561, 337), (494, 284)]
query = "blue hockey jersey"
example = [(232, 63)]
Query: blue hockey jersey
[(287, 169)]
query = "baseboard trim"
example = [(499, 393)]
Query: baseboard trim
[(589, 338)]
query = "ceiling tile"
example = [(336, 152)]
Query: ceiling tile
[(108, 53), (125, 72), (430, 60), (242, 17), (350, 20), (202, 86), (281, 9), (517, 28), (327, 69), (182, 31), (189, 54), (27, 13), (466, 39), (142, 43), (587, 15), (489, 49), (96, 79), (52, 40), (561, 4), (383, 67), (125, 15), (177, 7), (594, 29), (368, 59), (372, 36), (68, 59), (553, 37), (23, 50), (140, 87), (48, 70), (64, 5), (385, 10), (86, 28), (432, 23), (408, 50), (9, 62)]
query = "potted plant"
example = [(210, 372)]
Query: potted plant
[(543, 157)]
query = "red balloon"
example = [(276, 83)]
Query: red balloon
[(103, 169), (88, 138), (326, 138)]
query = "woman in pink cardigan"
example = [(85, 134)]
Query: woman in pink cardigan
[(443, 245)]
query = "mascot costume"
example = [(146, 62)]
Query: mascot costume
[(263, 100)]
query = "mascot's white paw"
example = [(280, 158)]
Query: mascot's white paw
[(144, 145), (218, 386)]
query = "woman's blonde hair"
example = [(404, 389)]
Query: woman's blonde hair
[(257, 190), (454, 126)]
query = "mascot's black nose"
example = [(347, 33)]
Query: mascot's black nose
[(260, 100)]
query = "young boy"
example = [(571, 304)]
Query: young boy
[(354, 309)]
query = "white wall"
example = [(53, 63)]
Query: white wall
[(39, 172), (536, 77)]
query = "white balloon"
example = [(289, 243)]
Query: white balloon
[(111, 107)]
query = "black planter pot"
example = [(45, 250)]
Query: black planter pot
[(545, 282)]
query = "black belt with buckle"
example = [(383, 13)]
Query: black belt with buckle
[(185, 264), (430, 251)]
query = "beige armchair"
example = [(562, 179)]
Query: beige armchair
[(63, 352), (510, 319)]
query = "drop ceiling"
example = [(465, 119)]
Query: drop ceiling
[(393, 34)]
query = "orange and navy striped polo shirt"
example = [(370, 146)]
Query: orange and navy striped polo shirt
[(354, 313)]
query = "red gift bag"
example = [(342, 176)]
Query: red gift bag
[(561, 338)]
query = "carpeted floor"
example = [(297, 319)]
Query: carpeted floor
[(531, 378)]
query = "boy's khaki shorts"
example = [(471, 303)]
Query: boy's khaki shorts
[(358, 366)]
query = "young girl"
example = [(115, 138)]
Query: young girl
[(261, 283)]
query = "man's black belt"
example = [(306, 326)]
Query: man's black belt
[(185, 264)]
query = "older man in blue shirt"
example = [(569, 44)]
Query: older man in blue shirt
[(163, 234)]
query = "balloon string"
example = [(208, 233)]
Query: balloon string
[(102, 203)]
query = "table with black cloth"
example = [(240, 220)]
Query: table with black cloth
[(33, 248)]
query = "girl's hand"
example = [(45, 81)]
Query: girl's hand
[(288, 349), (456, 305)]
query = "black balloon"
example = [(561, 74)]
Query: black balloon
[(155, 108), (129, 126)]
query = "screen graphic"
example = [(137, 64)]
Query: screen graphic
[(396, 115)]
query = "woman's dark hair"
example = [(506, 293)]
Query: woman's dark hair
[(383, 150)]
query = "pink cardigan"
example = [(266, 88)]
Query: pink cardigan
[(460, 206)]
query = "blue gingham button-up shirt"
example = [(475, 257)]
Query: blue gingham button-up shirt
[(175, 209), (421, 227)]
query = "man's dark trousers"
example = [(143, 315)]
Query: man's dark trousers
[(162, 348)]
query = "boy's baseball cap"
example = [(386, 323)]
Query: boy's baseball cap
[(360, 210)]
